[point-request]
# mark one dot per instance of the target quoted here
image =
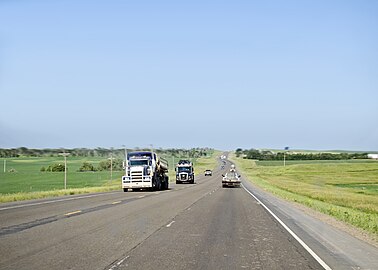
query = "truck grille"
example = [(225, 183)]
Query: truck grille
[(183, 176), (136, 176)]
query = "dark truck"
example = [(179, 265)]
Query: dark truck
[(184, 172)]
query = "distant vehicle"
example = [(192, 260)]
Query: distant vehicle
[(231, 179), (208, 173), (184, 172), (145, 170)]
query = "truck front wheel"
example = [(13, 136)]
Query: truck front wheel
[(125, 189)]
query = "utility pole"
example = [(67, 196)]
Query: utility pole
[(5, 165), (126, 163), (111, 165), (65, 167)]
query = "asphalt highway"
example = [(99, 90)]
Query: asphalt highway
[(189, 226)]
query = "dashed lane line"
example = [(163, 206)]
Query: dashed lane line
[(72, 213), (56, 201)]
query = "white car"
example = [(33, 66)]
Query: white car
[(208, 173)]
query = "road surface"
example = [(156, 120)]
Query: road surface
[(189, 226)]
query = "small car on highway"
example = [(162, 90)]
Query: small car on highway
[(208, 173)]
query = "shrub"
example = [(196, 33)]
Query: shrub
[(87, 167), (105, 165), (55, 168)]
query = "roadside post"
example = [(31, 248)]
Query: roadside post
[(65, 167), (111, 165)]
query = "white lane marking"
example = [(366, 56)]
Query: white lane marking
[(54, 201), (170, 224), (118, 263), (116, 202), (142, 196), (296, 237)]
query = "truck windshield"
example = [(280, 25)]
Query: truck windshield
[(139, 162), (183, 169)]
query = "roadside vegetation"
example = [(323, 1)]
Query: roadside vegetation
[(344, 189), (42, 174)]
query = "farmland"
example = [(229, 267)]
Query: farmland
[(23, 178), (346, 190)]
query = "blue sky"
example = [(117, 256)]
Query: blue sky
[(182, 74)]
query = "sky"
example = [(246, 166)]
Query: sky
[(183, 74)]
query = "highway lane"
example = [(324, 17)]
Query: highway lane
[(199, 226), (223, 230), (43, 236), (96, 232)]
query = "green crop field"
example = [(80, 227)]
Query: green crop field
[(294, 162), (23, 178), (347, 190)]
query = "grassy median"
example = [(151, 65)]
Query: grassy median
[(347, 191)]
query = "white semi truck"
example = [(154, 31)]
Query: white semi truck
[(184, 172), (145, 170)]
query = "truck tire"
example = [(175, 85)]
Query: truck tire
[(157, 183), (125, 189), (165, 185), (166, 182)]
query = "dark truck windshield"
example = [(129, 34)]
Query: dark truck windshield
[(139, 162), (183, 169)]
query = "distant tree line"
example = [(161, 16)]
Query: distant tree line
[(270, 155), (98, 152)]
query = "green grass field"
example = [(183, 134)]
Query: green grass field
[(27, 176), (346, 190), (296, 162), (24, 180)]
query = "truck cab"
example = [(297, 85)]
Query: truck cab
[(145, 170), (184, 172)]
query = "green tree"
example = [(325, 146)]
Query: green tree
[(87, 167)]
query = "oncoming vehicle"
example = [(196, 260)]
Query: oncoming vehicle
[(184, 172), (208, 173), (145, 169)]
